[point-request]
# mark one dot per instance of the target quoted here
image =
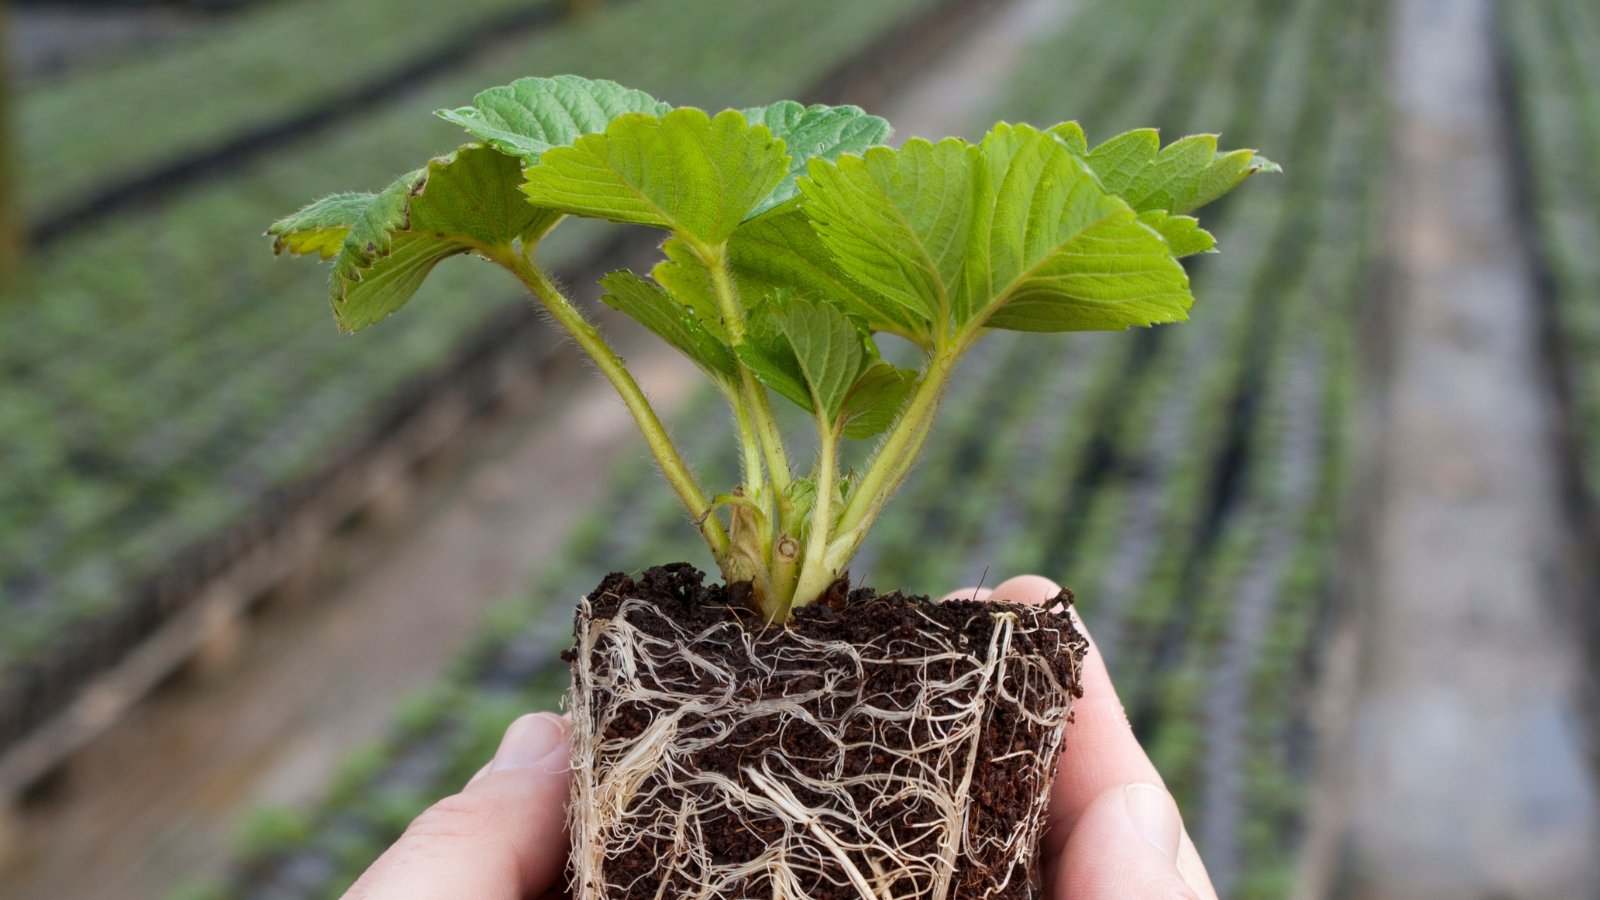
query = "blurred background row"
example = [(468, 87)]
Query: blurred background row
[(266, 591)]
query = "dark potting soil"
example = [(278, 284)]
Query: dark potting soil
[(830, 737)]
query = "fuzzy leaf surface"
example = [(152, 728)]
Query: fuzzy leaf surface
[(694, 175), (814, 132), (650, 306), (465, 202), (321, 227), (530, 115)]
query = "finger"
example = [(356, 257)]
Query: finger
[(1026, 589), (1126, 845), (1099, 750), (501, 838), (968, 593), (1193, 869)]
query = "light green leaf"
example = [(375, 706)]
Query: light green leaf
[(802, 496), (807, 351), (465, 202), (1182, 233), (830, 349), (686, 277), (780, 252), (898, 222), (1182, 177), (530, 115), (875, 400), (650, 306), (1071, 133), (321, 227), (767, 354), (814, 132), (1014, 233), (1052, 251), (1122, 159), (686, 172)]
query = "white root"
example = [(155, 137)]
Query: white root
[(648, 703)]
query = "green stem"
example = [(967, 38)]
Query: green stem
[(895, 457), (748, 446), (815, 572), (612, 366), (760, 407)]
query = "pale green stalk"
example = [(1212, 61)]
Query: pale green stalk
[(895, 457), (655, 434), (815, 573), (765, 423)]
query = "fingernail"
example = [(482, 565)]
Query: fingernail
[(1155, 816), (529, 741)]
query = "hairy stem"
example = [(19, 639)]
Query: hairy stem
[(760, 407), (612, 366), (894, 458), (815, 573)]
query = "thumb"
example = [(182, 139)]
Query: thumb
[(1125, 845), (501, 838)]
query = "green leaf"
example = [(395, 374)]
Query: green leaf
[(465, 202), (1013, 233), (898, 222), (1182, 233), (814, 132), (1184, 176), (807, 351), (685, 171), (802, 496), (650, 306), (767, 354), (530, 115), (1052, 251), (875, 400), (321, 227), (686, 277), (781, 252), (1071, 133)]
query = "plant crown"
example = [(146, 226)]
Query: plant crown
[(795, 239)]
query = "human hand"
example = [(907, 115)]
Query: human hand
[(1114, 830), (502, 838)]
